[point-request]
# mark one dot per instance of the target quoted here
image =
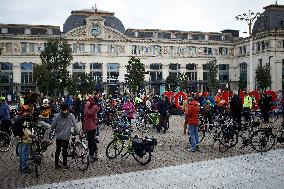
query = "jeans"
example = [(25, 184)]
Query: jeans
[(194, 139), (24, 152), (64, 145), (92, 145)]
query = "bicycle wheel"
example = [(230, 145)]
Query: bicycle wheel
[(201, 132), (81, 157), (142, 126), (228, 138), (114, 148), (262, 140), (143, 160), (5, 142)]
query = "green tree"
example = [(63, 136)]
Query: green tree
[(81, 82), (213, 82), (263, 76), (52, 75), (184, 82), (171, 83), (135, 74)]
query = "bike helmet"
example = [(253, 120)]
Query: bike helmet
[(45, 101)]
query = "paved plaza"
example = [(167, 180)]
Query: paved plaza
[(171, 159), (246, 171)]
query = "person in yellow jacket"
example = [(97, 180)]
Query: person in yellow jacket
[(247, 106)]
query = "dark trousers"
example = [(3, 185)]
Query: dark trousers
[(92, 145), (5, 126), (237, 117), (61, 144), (265, 115), (162, 122)]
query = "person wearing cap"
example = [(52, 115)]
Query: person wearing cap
[(5, 116), (192, 121), (26, 139)]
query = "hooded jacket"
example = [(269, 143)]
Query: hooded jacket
[(192, 112), (62, 123), (90, 116)]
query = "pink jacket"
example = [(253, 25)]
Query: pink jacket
[(90, 117), (129, 108)]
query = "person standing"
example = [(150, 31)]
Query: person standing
[(247, 106), (5, 116), (192, 121), (236, 107), (62, 124), (90, 126), (264, 104), (163, 109), (25, 140), (129, 110)]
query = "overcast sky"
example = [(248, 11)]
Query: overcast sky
[(187, 15)]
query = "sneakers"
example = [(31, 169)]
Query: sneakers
[(197, 148), (26, 170)]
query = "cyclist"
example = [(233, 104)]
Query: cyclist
[(193, 122), (247, 106), (163, 109), (129, 110), (62, 124), (5, 116), (25, 139), (236, 107), (90, 126), (264, 104)]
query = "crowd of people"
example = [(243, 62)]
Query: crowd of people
[(62, 114)]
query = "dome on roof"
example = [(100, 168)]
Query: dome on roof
[(78, 19), (272, 17)]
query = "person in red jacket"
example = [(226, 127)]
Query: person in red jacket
[(192, 121), (90, 126)]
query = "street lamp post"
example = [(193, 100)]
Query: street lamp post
[(249, 18)]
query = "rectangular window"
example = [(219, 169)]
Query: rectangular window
[(224, 72), (32, 47), (75, 47), (24, 47), (81, 47), (260, 62)]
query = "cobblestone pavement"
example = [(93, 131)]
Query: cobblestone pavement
[(171, 151), (233, 172)]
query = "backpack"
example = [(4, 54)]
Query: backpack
[(18, 126)]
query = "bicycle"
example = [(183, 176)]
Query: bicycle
[(78, 151), (139, 148)]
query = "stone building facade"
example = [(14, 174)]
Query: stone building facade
[(102, 47)]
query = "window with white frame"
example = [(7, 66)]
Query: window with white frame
[(174, 69), (27, 72), (191, 71)]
